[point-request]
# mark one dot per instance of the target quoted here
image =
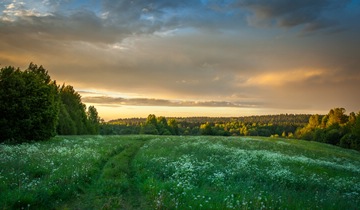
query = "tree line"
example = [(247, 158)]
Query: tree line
[(265, 125), (33, 107), (335, 128)]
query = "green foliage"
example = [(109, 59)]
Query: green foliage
[(149, 129), (150, 126), (173, 127), (245, 126), (336, 116), (93, 120), (66, 125), (352, 139), (29, 104), (162, 126), (156, 126), (335, 128), (151, 120), (314, 121), (33, 107), (206, 129), (73, 117), (330, 128), (75, 112)]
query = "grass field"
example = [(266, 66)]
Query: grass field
[(172, 172)]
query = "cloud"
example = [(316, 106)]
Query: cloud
[(110, 21), (307, 13), (113, 21), (106, 100), (82, 26), (11, 10), (148, 17), (279, 79), (191, 50)]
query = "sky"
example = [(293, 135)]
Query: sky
[(192, 58)]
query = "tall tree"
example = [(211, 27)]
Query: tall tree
[(29, 104), (173, 126), (162, 126), (314, 121), (66, 125), (151, 120), (76, 112), (93, 120), (336, 116), (150, 126), (352, 138)]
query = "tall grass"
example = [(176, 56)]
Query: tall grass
[(247, 173), (44, 175), (159, 172)]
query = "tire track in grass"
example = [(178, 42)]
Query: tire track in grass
[(118, 172), (115, 187)]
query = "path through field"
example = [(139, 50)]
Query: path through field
[(178, 172), (115, 187)]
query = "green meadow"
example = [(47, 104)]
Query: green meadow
[(178, 172)]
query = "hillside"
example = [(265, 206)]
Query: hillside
[(175, 172)]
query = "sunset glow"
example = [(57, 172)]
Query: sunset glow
[(192, 58)]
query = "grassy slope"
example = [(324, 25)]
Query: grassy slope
[(53, 174), (242, 173), (157, 172)]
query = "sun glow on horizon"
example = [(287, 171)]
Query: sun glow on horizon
[(111, 112)]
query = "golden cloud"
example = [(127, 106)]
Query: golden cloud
[(284, 77)]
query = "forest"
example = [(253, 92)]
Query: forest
[(265, 125), (33, 107), (335, 128)]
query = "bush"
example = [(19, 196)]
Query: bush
[(332, 137), (149, 129), (350, 141)]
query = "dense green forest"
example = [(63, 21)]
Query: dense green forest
[(335, 128), (34, 107), (73, 117), (264, 125)]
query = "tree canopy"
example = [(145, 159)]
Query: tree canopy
[(29, 104), (335, 128), (33, 107)]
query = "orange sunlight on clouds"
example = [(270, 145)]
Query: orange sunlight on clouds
[(284, 77)]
